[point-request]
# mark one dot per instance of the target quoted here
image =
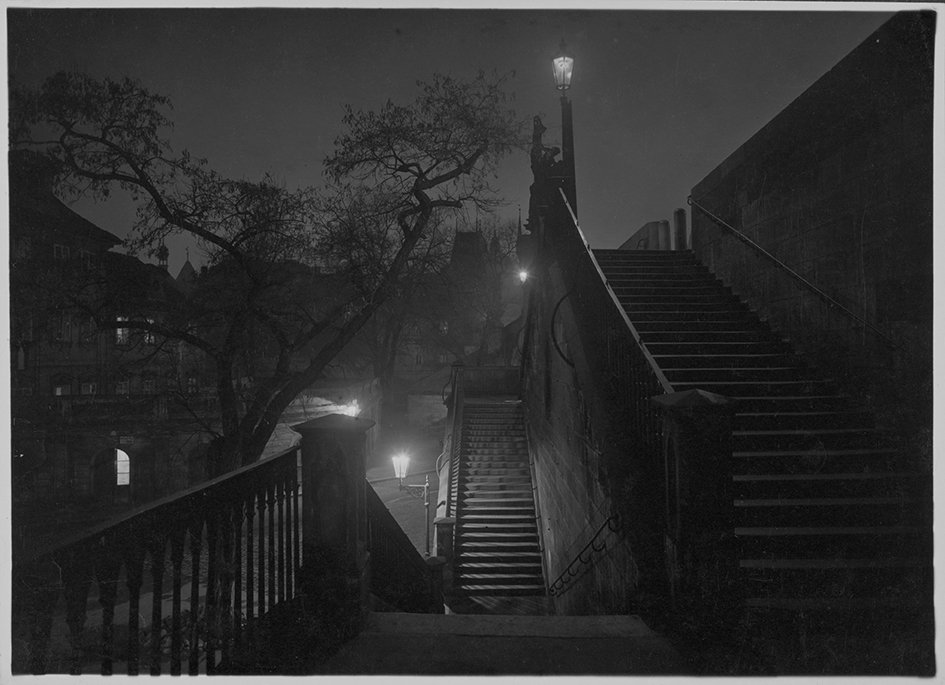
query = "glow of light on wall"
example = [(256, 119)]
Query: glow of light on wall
[(350, 409)]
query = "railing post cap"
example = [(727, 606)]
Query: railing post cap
[(334, 422)]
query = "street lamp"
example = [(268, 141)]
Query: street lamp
[(522, 276), (422, 492), (563, 66)]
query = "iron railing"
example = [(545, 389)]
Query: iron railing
[(448, 461), (617, 359), (803, 282), (399, 575), (232, 546), (585, 558)]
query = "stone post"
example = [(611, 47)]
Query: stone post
[(663, 236), (697, 451), (334, 582), (679, 227), (443, 528)]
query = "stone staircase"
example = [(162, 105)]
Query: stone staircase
[(496, 552), (829, 514)]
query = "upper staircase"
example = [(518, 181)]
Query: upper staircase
[(497, 552), (828, 511)]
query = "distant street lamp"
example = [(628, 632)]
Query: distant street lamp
[(522, 275), (422, 492), (563, 70)]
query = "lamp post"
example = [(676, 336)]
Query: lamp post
[(563, 66), (422, 492)]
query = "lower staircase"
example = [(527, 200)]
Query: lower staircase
[(497, 556), (830, 514)]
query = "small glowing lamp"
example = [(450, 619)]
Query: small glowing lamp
[(523, 275), (563, 68), (401, 463)]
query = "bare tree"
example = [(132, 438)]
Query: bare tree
[(294, 274)]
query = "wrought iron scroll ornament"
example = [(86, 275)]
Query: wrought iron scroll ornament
[(598, 543)]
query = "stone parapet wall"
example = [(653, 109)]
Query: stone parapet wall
[(838, 186), (574, 497)]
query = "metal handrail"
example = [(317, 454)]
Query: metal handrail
[(561, 584), (793, 274), (660, 376), (452, 440)]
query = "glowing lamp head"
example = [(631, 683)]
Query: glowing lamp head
[(401, 462), (351, 409), (563, 68), (523, 275)]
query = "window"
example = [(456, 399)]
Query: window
[(148, 386), (149, 335), (62, 389), (88, 388), (85, 258), (122, 387), (192, 386), (444, 327), (61, 251), (122, 334), (122, 468)]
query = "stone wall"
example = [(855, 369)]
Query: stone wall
[(568, 463), (838, 186)]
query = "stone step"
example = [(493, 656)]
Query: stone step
[(811, 420), (727, 306), (671, 292), (527, 525), (649, 326), (483, 532), (400, 644), (496, 547), (692, 336), (496, 471), (474, 589), (708, 349), (851, 484), (809, 439), (498, 558), (501, 503), (824, 511), (694, 360), (468, 577), (740, 316), (853, 541), (734, 373), (791, 403)]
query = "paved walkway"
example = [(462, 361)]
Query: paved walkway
[(431, 644)]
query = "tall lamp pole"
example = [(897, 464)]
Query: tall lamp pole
[(563, 69), (421, 492)]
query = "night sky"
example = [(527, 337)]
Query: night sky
[(660, 98)]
